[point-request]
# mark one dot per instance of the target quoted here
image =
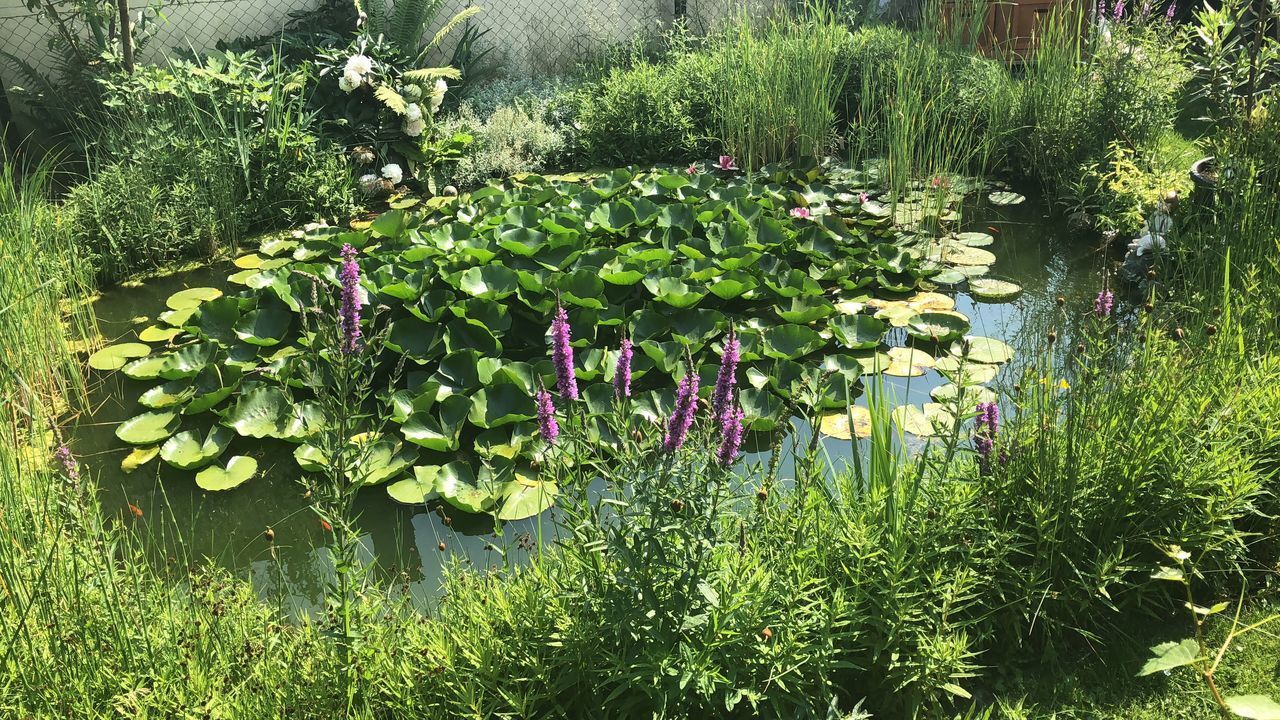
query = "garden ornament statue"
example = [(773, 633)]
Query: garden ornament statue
[(1152, 239)]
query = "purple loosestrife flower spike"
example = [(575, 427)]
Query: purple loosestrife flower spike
[(1103, 304), (730, 436), (349, 314), (986, 427), (1118, 10), (562, 354), (682, 417), (727, 378), (69, 467), (1173, 9), (547, 425), (622, 371)]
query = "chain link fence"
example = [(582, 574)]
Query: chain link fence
[(530, 37)]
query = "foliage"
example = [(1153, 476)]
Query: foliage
[(776, 87), (1120, 192), (509, 141), (190, 156), (671, 260)]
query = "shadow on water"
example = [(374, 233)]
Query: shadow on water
[(183, 524)]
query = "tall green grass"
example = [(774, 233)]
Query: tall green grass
[(777, 85)]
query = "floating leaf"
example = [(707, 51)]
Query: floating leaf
[(525, 497), (836, 424), (912, 419), (114, 357), (417, 489), (156, 333), (138, 457), (982, 350), (937, 326), (858, 332), (790, 341), (994, 289), (259, 413), (1004, 197), (238, 470), (188, 450), (192, 297), (148, 428)]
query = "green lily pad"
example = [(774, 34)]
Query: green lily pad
[(804, 309), (188, 451), (975, 239), (148, 428), (790, 341), (191, 297), (266, 326), (982, 350), (457, 486), (994, 289), (259, 413), (114, 357), (156, 333), (417, 489), (167, 395), (858, 332), (1005, 197), (937, 326), (500, 405), (525, 497), (239, 469)]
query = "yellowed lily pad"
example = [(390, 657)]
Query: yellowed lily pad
[(139, 457), (837, 425)]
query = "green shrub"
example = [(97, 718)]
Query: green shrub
[(648, 112), (508, 142)]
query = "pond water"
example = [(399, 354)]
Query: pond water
[(185, 524)]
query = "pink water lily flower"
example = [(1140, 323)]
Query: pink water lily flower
[(863, 197), (726, 163), (692, 169), (801, 213)]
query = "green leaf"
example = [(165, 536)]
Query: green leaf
[(502, 405), (805, 309), (192, 297), (384, 460), (492, 282), (217, 319), (1254, 707), (994, 289), (1170, 655), (457, 486), (148, 428), (238, 470), (1006, 198), (259, 413), (858, 332), (937, 326), (982, 350), (188, 451), (674, 291), (417, 489), (791, 341), (439, 430), (114, 357), (525, 497), (266, 326)]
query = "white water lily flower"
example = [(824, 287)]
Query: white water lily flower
[(413, 112), (359, 64), (1147, 243), (413, 128), (392, 172), (369, 183)]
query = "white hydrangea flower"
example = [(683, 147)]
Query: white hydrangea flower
[(359, 64), (392, 172), (369, 183), (413, 112), (414, 128), (350, 81), (437, 94)]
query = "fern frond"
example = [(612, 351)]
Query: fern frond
[(426, 75), (392, 99), (409, 20), (450, 26)]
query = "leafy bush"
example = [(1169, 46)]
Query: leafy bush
[(648, 112), (1118, 193), (509, 141)]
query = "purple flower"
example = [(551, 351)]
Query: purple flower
[(863, 197), (801, 213), (985, 429), (69, 467), (727, 378), (562, 354), (726, 163), (1117, 10), (682, 417), (1173, 9), (730, 436), (349, 316), (1103, 303), (622, 371), (547, 425)]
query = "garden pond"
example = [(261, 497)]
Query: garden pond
[(208, 366)]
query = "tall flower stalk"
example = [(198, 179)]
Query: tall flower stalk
[(349, 311), (562, 354), (622, 371), (726, 378), (1103, 304), (986, 428), (731, 432), (547, 425), (682, 417)]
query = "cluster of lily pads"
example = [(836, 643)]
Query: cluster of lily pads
[(466, 286)]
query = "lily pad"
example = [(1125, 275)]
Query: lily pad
[(239, 469), (114, 357), (148, 428), (994, 289), (191, 297), (525, 497), (837, 425), (188, 450), (790, 341), (156, 333), (982, 349), (417, 489), (1004, 197), (138, 457), (937, 326)]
